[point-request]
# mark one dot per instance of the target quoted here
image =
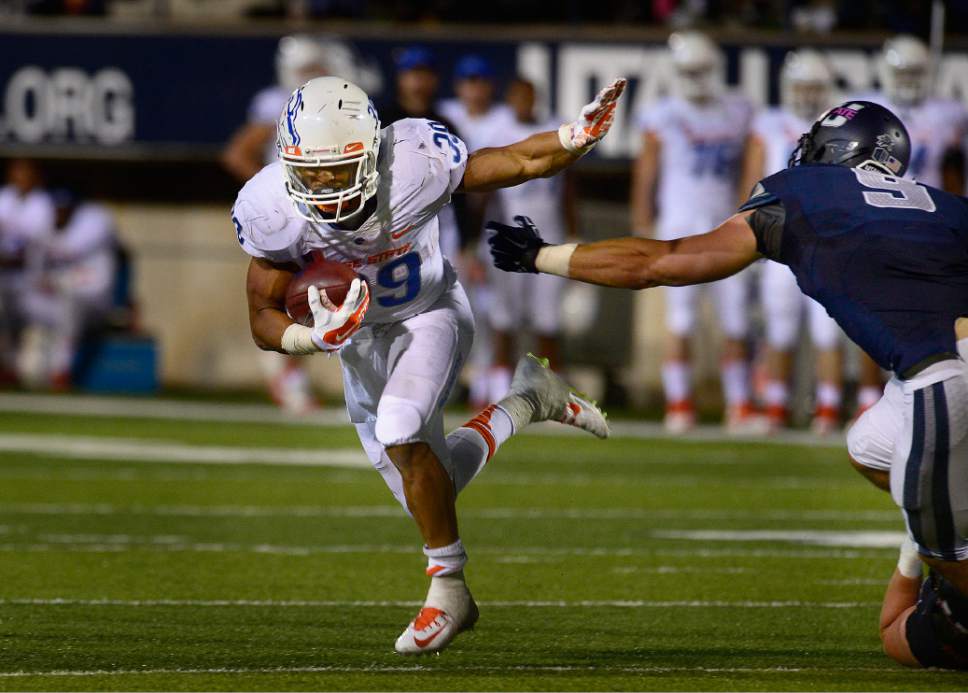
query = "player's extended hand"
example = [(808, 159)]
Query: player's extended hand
[(594, 120), (515, 248), (333, 325)]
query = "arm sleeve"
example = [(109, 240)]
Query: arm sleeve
[(767, 220)]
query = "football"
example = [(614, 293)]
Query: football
[(332, 277)]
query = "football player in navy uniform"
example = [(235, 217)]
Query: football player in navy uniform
[(888, 258)]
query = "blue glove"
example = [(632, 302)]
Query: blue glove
[(515, 248)]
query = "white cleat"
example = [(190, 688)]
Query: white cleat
[(554, 399), (445, 615)]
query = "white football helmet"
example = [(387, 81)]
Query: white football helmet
[(328, 141), (805, 84), (904, 70), (697, 63)]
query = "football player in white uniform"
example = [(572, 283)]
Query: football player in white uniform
[(369, 198), (689, 169), (299, 58), (26, 215), (805, 92), (71, 272), (524, 302)]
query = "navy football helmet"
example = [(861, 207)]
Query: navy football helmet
[(858, 134)]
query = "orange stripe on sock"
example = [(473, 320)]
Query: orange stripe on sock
[(482, 424), (434, 569)]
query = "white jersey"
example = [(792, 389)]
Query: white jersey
[(540, 198), (779, 130), (396, 249), (265, 109), (23, 218), (934, 125), (80, 257), (487, 130), (702, 147)]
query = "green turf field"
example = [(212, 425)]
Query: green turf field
[(626, 564)]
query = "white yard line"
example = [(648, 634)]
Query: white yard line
[(158, 408), (510, 604), (858, 539), (89, 544), (380, 511), (417, 668), (146, 450)]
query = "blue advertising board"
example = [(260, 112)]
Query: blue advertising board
[(170, 94)]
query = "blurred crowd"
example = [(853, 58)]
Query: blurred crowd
[(62, 279), (816, 16), (703, 149)]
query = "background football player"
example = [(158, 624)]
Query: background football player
[(482, 121), (687, 177), (806, 91), (521, 304), (26, 215), (299, 58), (888, 258), (369, 198)]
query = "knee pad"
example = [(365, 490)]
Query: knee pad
[(398, 421)]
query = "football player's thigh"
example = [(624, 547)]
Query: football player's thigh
[(872, 440), (506, 309), (782, 303), (680, 306), (424, 357), (543, 294), (732, 303), (824, 330), (929, 476)]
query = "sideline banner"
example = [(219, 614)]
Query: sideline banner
[(165, 95)]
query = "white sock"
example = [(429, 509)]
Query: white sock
[(868, 396), (445, 560), (676, 381), (777, 394), (828, 395), (474, 443), (736, 382)]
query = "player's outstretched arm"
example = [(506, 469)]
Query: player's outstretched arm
[(629, 263), (546, 153), (265, 288)]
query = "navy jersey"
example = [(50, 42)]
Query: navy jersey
[(887, 257)]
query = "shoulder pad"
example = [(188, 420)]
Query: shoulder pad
[(264, 221)]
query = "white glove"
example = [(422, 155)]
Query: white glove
[(909, 560), (594, 120), (333, 325)]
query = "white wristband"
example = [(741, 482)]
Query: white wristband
[(564, 136), (554, 259), (909, 560), (298, 340)]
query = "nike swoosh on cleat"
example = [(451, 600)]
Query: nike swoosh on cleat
[(439, 623)]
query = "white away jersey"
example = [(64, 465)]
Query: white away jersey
[(397, 249), (486, 130), (779, 131), (702, 148), (23, 218), (265, 109), (80, 257)]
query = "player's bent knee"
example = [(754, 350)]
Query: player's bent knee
[(398, 422)]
